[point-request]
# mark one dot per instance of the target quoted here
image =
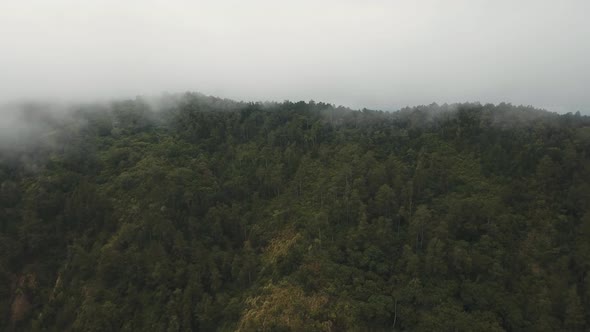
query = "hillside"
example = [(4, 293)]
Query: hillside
[(197, 213)]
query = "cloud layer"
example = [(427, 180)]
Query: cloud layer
[(376, 54)]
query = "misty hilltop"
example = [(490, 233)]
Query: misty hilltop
[(196, 213), (376, 54)]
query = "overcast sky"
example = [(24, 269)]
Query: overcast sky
[(365, 53)]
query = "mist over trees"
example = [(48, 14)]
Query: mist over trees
[(195, 213)]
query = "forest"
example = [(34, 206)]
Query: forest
[(195, 213)]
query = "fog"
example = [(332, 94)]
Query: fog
[(369, 53)]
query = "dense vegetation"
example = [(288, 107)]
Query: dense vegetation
[(196, 213)]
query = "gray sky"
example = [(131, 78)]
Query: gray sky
[(365, 53)]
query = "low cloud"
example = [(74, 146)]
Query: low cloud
[(374, 54)]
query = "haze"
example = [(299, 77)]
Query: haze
[(374, 54)]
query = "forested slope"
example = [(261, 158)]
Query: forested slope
[(197, 213)]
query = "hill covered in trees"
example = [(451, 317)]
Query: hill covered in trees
[(196, 213)]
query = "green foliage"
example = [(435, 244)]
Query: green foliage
[(197, 213)]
